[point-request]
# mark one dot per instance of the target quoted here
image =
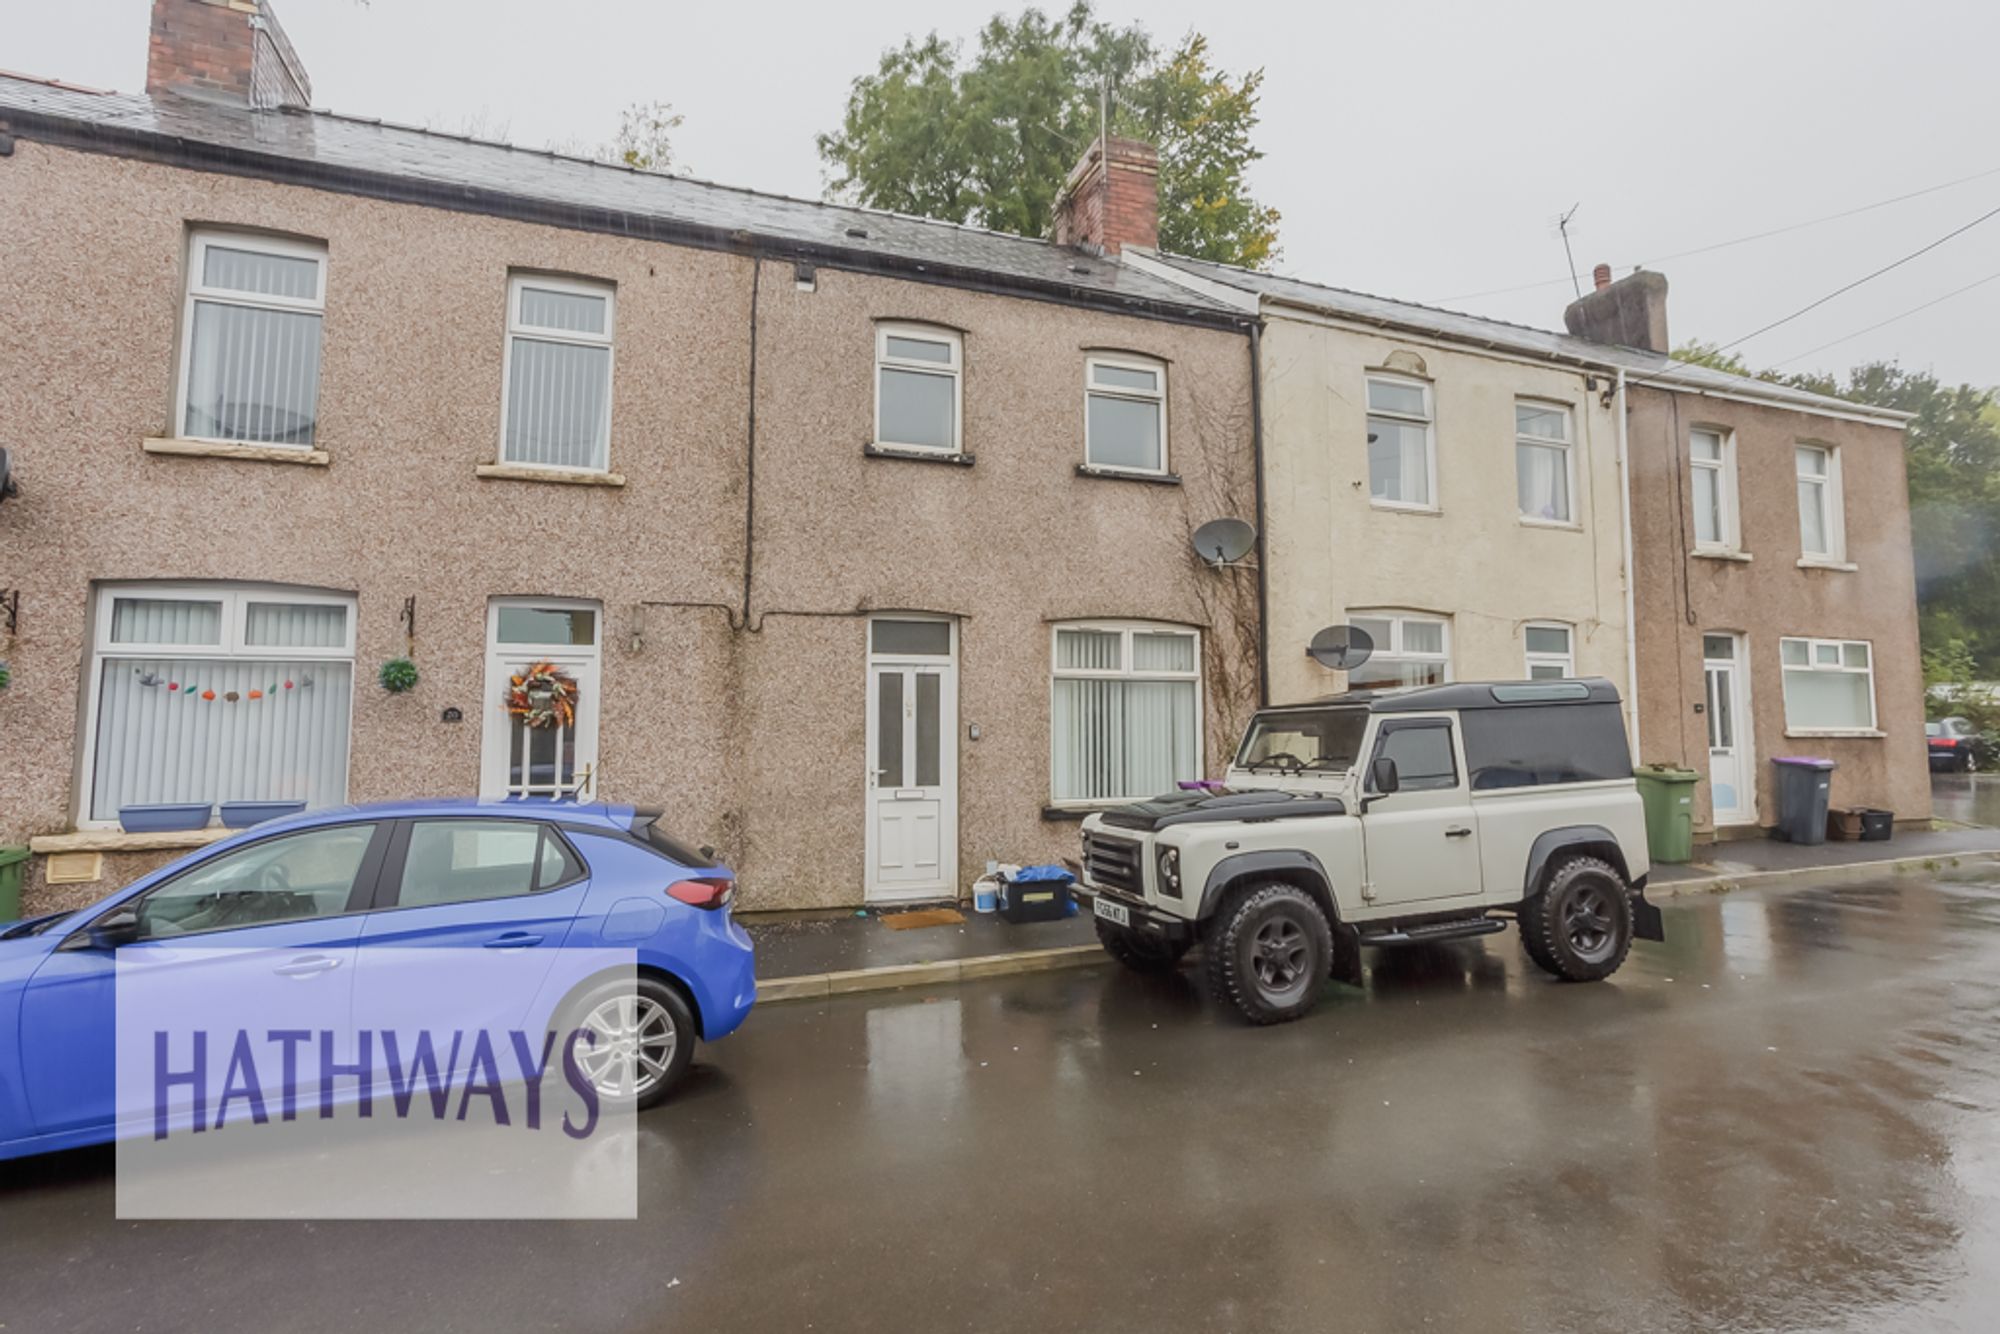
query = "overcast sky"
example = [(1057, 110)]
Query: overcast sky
[(1415, 151)]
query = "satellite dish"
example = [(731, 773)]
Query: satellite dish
[(1341, 647), (1224, 541), (8, 486)]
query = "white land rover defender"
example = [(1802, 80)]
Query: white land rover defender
[(1388, 818)]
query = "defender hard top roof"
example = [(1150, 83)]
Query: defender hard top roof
[(1473, 695)]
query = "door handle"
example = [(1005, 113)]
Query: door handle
[(513, 940), (1458, 831), (311, 965)]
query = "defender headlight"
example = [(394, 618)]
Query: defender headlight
[(1170, 871)]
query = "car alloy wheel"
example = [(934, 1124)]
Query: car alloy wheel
[(1281, 956), (1588, 921), (635, 1046)]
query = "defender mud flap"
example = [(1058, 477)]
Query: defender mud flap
[(1647, 924)]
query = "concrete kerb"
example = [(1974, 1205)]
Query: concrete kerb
[(951, 972)]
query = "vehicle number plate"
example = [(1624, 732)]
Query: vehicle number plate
[(1111, 912)]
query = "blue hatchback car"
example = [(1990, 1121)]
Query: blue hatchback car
[(319, 890)]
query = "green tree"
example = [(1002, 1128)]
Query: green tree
[(990, 139), (644, 139)]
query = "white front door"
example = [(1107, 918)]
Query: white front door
[(912, 839), (1732, 771), (547, 746)]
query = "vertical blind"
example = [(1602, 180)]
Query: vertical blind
[(253, 374), (1123, 736), (559, 389)]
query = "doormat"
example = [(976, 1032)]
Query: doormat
[(907, 921)]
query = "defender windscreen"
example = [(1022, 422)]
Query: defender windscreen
[(1326, 741)]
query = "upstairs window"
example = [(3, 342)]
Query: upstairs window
[(250, 340), (1820, 530), (1712, 459), (1402, 457), (557, 412), (1126, 722), (918, 395), (1829, 685), (1551, 650), (1410, 650), (1125, 414), (1542, 461), (213, 693)]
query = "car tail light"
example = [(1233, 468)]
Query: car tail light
[(703, 891)]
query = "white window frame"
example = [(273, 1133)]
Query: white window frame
[(955, 371), (1724, 467), (1397, 619), (1813, 663), (1125, 672), (1428, 421), (198, 246), (516, 282), (1832, 505), (234, 598), (1568, 447), (1092, 389), (1566, 660)]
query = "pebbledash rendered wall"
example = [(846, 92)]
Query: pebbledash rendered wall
[(752, 738), (1680, 596)]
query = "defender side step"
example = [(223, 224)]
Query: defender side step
[(1435, 931)]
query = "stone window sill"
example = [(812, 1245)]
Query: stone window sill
[(1128, 475), (514, 472), (1814, 563), (117, 840), (1425, 511), (1864, 733), (875, 451), (229, 449), (1740, 557), (1559, 525)]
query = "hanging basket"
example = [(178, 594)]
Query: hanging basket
[(542, 696), (398, 675)]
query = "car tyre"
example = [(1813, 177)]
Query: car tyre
[(1270, 952), (645, 1016), (1578, 926), (1138, 951)]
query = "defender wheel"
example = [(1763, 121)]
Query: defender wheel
[(1270, 952), (1581, 920), (1140, 952)]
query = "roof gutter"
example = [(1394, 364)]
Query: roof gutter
[(201, 155)]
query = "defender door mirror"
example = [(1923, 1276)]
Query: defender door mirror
[(1382, 776), (118, 927)]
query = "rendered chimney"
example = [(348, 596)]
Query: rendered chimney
[(231, 51), (1104, 210), (1631, 312)]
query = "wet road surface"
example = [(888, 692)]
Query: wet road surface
[(1966, 798), (1784, 1118)]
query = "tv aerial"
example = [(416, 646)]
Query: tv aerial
[(1341, 647), (1223, 542)]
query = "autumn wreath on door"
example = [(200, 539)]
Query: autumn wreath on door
[(542, 695)]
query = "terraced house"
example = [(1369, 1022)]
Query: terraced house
[(859, 543)]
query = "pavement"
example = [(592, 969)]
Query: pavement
[(1782, 1118)]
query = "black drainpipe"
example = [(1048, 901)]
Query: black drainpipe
[(1257, 461), (750, 449)]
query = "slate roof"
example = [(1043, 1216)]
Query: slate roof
[(1502, 335), (319, 148)]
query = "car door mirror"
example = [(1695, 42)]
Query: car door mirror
[(1382, 776), (118, 927)]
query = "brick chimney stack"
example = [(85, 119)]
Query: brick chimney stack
[(1105, 210), (1631, 312), (229, 51)]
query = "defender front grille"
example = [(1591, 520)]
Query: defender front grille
[(1114, 863)]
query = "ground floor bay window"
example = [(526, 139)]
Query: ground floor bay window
[(215, 693), (1126, 716)]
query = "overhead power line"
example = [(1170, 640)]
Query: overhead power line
[(1883, 324), (1740, 240)]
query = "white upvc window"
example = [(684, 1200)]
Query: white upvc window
[(1551, 650), (1544, 463), (556, 412), (1822, 534), (1125, 720), (1829, 685), (1402, 447), (1712, 461), (1125, 413), (250, 340), (919, 388), (1411, 649), (217, 692)]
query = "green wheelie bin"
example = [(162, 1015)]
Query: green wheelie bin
[(13, 866), (1668, 793)]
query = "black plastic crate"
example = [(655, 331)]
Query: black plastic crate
[(1036, 900), (1877, 826)]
